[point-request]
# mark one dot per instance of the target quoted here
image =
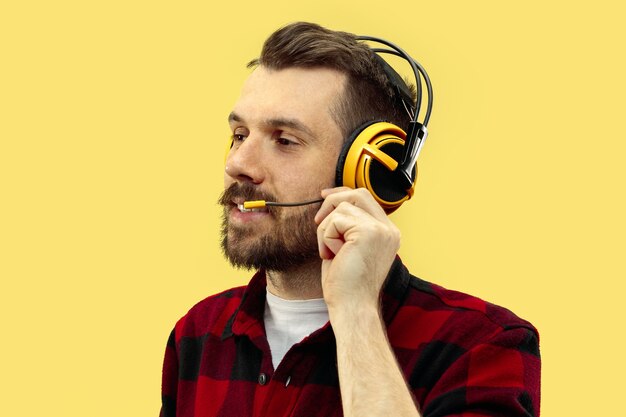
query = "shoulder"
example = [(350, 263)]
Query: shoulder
[(450, 344), (434, 296), (210, 315), (436, 313)]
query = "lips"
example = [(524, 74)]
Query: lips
[(245, 210), (236, 194), (240, 214), (239, 202)]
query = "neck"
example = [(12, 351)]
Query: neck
[(299, 283)]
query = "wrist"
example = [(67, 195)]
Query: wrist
[(356, 317)]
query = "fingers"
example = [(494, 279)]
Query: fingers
[(329, 239), (349, 224), (347, 214), (335, 229), (360, 198)]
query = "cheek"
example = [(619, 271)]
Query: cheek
[(318, 174), (304, 183), (327, 166), (329, 173)]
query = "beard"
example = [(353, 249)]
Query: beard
[(290, 244)]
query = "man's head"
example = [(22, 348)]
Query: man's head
[(309, 89), (368, 94)]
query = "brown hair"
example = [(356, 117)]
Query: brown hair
[(368, 94)]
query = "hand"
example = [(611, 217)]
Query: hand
[(357, 243)]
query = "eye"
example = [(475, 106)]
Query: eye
[(284, 139), (238, 136), (285, 142)]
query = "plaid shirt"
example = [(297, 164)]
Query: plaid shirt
[(460, 356)]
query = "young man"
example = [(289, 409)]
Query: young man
[(332, 323)]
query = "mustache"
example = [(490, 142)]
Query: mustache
[(247, 192)]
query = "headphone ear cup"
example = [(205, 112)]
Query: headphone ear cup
[(369, 159)]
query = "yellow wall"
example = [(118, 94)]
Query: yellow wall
[(112, 125)]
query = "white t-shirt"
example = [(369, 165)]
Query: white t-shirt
[(287, 322)]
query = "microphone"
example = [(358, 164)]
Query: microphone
[(257, 204)]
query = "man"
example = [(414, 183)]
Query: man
[(332, 323)]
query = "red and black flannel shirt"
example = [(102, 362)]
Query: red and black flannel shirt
[(460, 355)]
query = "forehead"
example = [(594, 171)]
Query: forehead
[(304, 94)]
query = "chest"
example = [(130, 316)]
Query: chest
[(235, 377)]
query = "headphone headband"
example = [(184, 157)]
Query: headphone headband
[(417, 131)]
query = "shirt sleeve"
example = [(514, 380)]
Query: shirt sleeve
[(499, 377), (169, 385)]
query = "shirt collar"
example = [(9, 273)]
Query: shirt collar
[(248, 318)]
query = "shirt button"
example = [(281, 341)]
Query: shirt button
[(262, 379)]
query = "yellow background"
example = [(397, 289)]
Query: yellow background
[(112, 127)]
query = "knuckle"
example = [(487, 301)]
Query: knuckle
[(344, 205)]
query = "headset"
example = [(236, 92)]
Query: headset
[(379, 155)]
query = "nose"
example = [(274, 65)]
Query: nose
[(244, 161)]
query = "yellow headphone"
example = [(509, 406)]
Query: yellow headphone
[(381, 156), (369, 160)]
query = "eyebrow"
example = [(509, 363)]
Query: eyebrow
[(277, 123)]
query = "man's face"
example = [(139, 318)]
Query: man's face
[(285, 149)]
